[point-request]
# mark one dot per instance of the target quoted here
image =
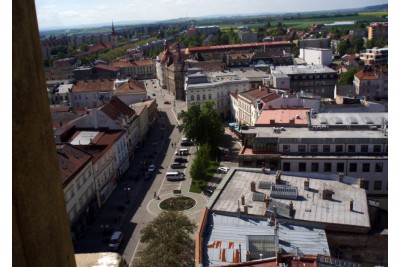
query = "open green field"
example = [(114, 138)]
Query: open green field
[(302, 23)]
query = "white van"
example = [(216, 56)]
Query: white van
[(182, 152), (174, 176)]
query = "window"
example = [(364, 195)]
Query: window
[(209, 96), (366, 184), (314, 148), (286, 166), (353, 167), (351, 148), (378, 167), (192, 98), (198, 97), (365, 167), (301, 148), (378, 185), (204, 97), (314, 167), (327, 167), (286, 148), (364, 148), (377, 148), (302, 166), (340, 167), (326, 148), (339, 148)]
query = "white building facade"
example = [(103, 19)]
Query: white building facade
[(316, 56), (214, 86)]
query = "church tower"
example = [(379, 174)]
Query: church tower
[(114, 36)]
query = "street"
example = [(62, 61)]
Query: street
[(132, 205)]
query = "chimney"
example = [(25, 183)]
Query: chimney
[(327, 194), (278, 256), (278, 177), (246, 209), (238, 208), (307, 184), (276, 227), (242, 198), (291, 208), (351, 204), (253, 186), (248, 256), (267, 201), (361, 183), (275, 209), (341, 176)]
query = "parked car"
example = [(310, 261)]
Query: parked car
[(167, 102), (177, 165), (182, 152), (223, 169), (147, 175), (154, 94), (115, 240), (180, 160), (151, 168), (208, 191)]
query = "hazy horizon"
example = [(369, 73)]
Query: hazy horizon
[(68, 14)]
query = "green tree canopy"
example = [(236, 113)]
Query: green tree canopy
[(201, 163), (202, 124), (347, 77), (168, 241)]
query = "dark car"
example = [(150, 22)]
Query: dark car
[(177, 165), (167, 102), (208, 191), (180, 160)]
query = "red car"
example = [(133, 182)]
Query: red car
[(167, 102)]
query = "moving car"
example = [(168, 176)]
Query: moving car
[(147, 175), (223, 169), (151, 168), (115, 240)]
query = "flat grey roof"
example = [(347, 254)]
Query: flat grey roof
[(309, 206), (268, 132), (361, 118), (301, 69), (227, 232)]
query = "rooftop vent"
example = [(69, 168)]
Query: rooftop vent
[(258, 196), (284, 192)]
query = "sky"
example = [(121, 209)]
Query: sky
[(57, 13)]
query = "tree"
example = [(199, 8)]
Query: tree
[(357, 43), (202, 123), (168, 241), (201, 163), (347, 77)]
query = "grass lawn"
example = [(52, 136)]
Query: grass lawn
[(198, 185)]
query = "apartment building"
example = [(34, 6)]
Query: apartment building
[(375, 56), (315, 79), (77, 180), (139, 69), (91, 93), (377, 30), (215, 86), (355, 144), (372, 83), (246, 35)]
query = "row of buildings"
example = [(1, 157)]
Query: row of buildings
[(95, 147)]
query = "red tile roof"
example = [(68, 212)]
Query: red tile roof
[(105, 67), (237, 46), (366, 75), (93, 85), (96, 48), (117, 109), (71, 161), (283, 116), (132, 86)]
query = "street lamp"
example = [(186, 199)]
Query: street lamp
[(127, 189)]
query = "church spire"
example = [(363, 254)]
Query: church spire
[(113, 30)]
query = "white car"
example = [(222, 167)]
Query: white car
[(152, 168), (223, 169)]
